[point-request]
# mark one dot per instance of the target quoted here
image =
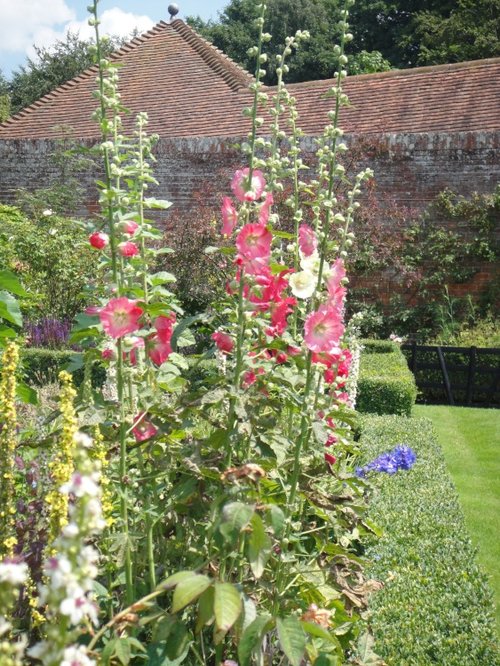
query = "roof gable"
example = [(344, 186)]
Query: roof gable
[(190, 89)]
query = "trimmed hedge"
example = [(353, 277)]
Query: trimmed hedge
[(436, 606), (42, 366), (385, 384), (379, 346)]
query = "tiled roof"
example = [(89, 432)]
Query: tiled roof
[(191, 89)]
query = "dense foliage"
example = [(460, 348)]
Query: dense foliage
[(51, 256), (435, 606)]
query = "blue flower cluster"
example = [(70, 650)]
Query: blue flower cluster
[(401, 457)]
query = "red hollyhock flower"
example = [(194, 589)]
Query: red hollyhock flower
[(144, 428), (164, 325), (128, 249), (158, 350), (223, 341)]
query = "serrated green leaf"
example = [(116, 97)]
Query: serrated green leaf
[(251, 639), (227, 605), (259, 546), (9, 309), (205, 609), (189, 589), (292, 638), (235, 517), (122, 651), (10, 282)]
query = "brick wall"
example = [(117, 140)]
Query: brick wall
[(410, 169)]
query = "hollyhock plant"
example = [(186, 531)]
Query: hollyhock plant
[(323, 330), (99, 240), (303, 284), (143, 428), (308, 242), (245, 191), (120, 316), (229, 216), (164, 325), (265, 208), (128, 249), (254, 242), (223, 341)]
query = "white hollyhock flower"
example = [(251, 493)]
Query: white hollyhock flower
[(311, 263), (303, 284), (14, 573), (76, 655)]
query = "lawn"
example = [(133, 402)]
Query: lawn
[(470, 439)]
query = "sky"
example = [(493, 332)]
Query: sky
[(42, 22)]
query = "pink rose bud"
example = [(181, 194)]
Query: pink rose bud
[(128, 249), (99, 240)]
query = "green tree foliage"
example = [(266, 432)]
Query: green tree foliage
[(4, 98), (427, 32), (52, 67), (234, 33)]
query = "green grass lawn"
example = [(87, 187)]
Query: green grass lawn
[(470, 439)]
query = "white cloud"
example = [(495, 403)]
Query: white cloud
[(42, 22)]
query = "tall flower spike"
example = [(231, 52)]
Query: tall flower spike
[(62, 466), (8, 443)]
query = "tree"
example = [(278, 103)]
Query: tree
[(234, 33), (4, 98), (52, 67), (426, 32)]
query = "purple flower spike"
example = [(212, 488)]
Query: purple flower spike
[(401, 457)]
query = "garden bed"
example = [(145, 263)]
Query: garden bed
[(436, 606)]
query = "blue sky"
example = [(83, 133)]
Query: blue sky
[(27, 22)]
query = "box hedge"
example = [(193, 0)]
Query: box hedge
[(385, 384), (42, 366), (436, 606)]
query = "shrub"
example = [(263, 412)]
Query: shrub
[(379, 346), (52, 257), (42, 366), (385, 385), (435, 607)]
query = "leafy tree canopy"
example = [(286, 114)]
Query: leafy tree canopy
[(51, 67), (4, 98), (235, 32)]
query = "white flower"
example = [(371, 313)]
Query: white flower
[(70, 531), (77, 607), (80, 485), (59, 570), (82, 440), (47, 212), (311, 263), (303, 284), (76, 655), (14, 573)]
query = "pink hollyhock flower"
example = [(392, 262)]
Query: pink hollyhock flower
[(323, 329), (223, 341), (99, 240), (265, 209), (308, 242), (92, 310), (229, 216), (144, 428), (129, 227), (158, 350), (336, 292), (128, 249), (245, 191), (107, 354), (254, 242), (136, 343), (120, 316), (281, 357), (164, 325), (329, 376)]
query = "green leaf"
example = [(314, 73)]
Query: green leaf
[(162, 204), (162, 278), (122, 651), (10, 282), (292, 638), (318, 632), (205, 609), (277, 519), (189, 589), (9, 309), (235, 517), (26, 394), (259, 546), (7, 332), (175, 579), (227, 605), (251, 639), (182, 326)]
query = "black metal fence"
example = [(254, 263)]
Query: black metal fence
[(463, 376)]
